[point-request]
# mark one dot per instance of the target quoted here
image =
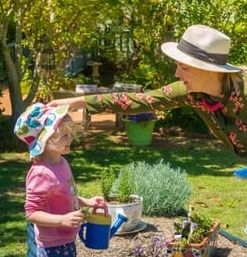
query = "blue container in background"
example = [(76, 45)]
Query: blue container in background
[(242, 174)]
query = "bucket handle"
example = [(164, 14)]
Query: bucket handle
[(104, 207)]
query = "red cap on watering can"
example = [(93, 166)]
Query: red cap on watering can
[(98, 228)]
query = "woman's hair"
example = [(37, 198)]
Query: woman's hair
[(233, 81)]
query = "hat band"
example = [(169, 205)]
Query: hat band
[(196, 52)]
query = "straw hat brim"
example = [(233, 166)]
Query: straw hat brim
[(170, 49)]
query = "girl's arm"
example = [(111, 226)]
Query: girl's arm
[(71, 219)]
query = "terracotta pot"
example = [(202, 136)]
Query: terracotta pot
[(206, 248)]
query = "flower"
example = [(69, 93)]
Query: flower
[(140, 117), (189, 232), (157, 247)]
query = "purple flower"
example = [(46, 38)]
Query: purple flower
[(138, 251)]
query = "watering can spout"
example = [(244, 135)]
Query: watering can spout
[(119, 221)]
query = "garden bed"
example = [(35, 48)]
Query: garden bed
[(122, 246)]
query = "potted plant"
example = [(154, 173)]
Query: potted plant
[(164, 188), (118, 191), (195, 235), (139, 128)]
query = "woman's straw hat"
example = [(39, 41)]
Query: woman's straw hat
[(202, 47)]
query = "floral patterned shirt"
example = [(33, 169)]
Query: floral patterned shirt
[(225, 117)]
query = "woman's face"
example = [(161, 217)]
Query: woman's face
[(197, 80)]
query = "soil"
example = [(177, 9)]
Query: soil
[(123, 245)]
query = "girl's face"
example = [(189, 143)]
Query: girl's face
[(60, 145), (60, 141), (197, 80)]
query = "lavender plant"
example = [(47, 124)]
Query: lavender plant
[(165, 189)]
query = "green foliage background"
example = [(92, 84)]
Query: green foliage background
[(124, 35)]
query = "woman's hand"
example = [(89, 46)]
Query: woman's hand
[(73, 102)]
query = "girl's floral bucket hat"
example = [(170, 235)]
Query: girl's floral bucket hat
[(37, 124)]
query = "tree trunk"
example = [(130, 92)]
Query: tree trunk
[(17, 104)]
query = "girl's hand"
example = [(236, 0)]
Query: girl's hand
[(96, 201), (72, 219)]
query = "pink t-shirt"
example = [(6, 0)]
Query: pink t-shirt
[(51, 188)]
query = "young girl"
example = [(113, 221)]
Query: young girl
[(52, 204)]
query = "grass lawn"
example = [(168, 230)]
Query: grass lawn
[(216, 192)]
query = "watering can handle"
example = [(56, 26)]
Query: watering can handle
[(81, 232), (104, 207)]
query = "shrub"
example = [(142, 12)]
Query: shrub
[(123, 186), (106, 181), (186, 118), (165, 190), (8, 140), (117, 187)]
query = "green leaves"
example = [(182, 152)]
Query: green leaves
[(106, 182), (164, 189)]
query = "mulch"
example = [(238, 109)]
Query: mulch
[(124, 245)]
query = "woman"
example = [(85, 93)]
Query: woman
[(207, 83)]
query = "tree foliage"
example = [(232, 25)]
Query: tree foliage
[(227, 16), (68, 25), (59, 25)]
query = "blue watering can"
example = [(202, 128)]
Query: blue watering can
[(96, 232)]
